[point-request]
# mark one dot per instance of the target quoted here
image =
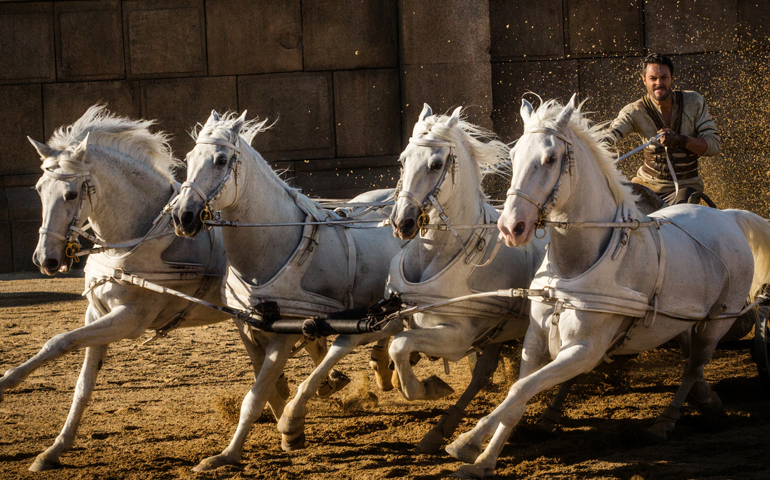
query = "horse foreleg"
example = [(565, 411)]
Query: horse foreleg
[(277, 350), (292, 423), (702, 346), (552, 415), (91, 366), (378, 362), (570, 362), (443, 341), (486, 365), (335, 380), (122, 322)]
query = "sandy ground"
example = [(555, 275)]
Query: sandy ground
[(159, 409)]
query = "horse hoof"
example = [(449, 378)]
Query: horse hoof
[(292, 444), (336, 382), (394, 380), (548, 420), (472, 471), (41, 464), (658, 433), (465, 452), (712, 407), (383, 377), (290, 426), (436, 388), (212, 463), (431, 442)]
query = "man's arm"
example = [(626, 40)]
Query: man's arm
[(696, 145), (706, 143), (621, 126)]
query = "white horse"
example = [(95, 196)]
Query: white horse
[(309, 270), (445, 153), (99, 169), (624, 288)]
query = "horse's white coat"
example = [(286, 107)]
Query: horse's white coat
[(693, 277), (258, 195)]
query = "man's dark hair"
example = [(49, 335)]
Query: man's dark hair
[(657, 59)]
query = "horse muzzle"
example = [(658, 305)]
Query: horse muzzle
[(517, 228), (405, 222), (187, 219)]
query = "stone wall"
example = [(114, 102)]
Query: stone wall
[(346, 79)]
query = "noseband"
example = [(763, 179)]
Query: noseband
[(432, 197), (233, 172), (70, 239), (567, 167)]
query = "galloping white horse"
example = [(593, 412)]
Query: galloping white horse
[(309, 270), (614, 280), (99, 169), (445, 153)]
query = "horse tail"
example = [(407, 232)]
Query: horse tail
[(757, 231)]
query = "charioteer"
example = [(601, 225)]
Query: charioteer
[(689, 133)]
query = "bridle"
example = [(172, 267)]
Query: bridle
[(567, 167), (432, 198), (70, 238), (232, 174)]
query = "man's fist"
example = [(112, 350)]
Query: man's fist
[(672, 139)]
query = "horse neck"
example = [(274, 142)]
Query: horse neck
[(575, 250), (258, 253), (132, 194), (464, 207)]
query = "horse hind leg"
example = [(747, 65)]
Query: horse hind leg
[(335, 380), (445, 427), (702, 346), (379, 363), (552, 415)]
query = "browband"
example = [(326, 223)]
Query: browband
[(64, 176), (548, 131), (425, 142), (217, 141)]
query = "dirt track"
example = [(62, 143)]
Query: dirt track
[(159, 409)]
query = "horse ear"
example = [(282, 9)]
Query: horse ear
[(80, 150), (566, 114), (42, 149), (426, 112), (214, 117), (238, 124), (526, 110), (454, 118)]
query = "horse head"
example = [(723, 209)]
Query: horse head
[(66, 192), (212, 173)]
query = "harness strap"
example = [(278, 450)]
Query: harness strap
[(351, 249)]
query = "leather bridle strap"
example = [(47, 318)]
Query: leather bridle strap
[(206, 214), (71, 243)]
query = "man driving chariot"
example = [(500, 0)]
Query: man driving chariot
[(689, 133)]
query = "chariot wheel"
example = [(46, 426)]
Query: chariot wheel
[(762, 344)]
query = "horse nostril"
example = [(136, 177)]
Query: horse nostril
[(51, 264), (518, 229), (188, 218), (406, 225)]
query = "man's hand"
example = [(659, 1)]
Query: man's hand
[(672, 139)]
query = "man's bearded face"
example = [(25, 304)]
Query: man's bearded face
[(658, 80)]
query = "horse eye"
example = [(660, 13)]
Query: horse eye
[(221, 160), (436, 166), (71, 195), (550, 160)]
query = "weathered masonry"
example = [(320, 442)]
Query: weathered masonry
[(345, 79)]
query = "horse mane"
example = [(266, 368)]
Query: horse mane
[(224, 129), (128, 137), (592, 135), (489, 154)]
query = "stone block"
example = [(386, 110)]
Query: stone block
[(89, 40), (179, 104), (609, 84), (605, 27), (445, 87), (513, 81), (301, 106), (25, 214), (27, 43), (532, 30), (348, 34), (22, 107), (434, 33), (247, 37), (66, 102), (754, 22), (6, 244), (367, 112), (24, 236), (164, 39), (690, 26), (346, 178)]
